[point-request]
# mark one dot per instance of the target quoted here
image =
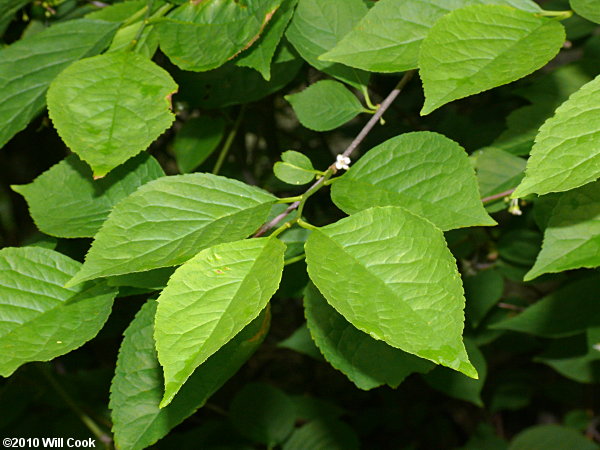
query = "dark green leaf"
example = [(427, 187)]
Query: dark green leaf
[(28, 67), (263, 413), (367, 362), (317, 26), (294, 168), (137, 387), (260, 55), (323, 434), (325, 105), (39, 318), (457, 385), (82, 204), (551, 437), (482, 292), (196, 141), (201, 36), (565, 312), (589, 9)]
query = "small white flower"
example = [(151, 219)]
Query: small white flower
[(343, 162), (513, 208)]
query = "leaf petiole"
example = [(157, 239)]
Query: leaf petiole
[(559, 15)]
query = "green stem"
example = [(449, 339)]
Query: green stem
[(149, 19), (87, 420), (365, 91), (383, 107), (314, 188), (283, 227), (308, 226), (289, 199), (140, 31), (227, 145), (136, 17), (295, 259), (560, 15)]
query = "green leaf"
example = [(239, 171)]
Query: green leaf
[(589, 9), (153, 280), (325, 105), (390, 274), (109, 108), (146, 45), (233, 85), (295, 168), (317, 26), (203, 35), (118, 12), (260, 55), (263, 414), (567, 311), (550, 437), (424, 172), (8, 9), (169, 220), (323, 434), (456, 62), (28, 66), (497, 170), (389, 36), (572, 237), (576, 357), (482, 292), (301, 342), (367, 362), (82, 204), (457, 385), (196, 141), (137, 386), (209, 300), (39, 318), (567, 147)]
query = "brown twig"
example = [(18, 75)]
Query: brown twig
[(347, 153), (497, 196)]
